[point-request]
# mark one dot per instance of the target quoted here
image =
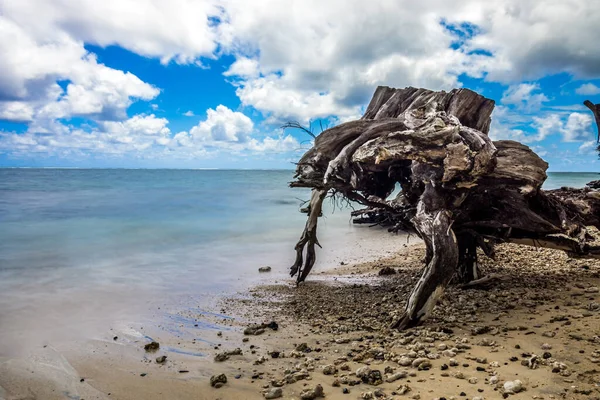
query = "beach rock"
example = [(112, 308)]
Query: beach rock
[(329, 369), (394, 377), (386, 271), (311, 394), (218, 381), (264, 269), (594, 184), (152, 346), (161, 359), (303, 347), (512, 387), (404, 361), (254, 330), (369, 376), (220, 357), (448, 353), (273, 393), (592, 289), (402, 390), (493, 380)]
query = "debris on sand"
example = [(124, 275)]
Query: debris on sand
[(218, 381), (152, 346)]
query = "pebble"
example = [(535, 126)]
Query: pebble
[(402, 390), (161, 359), (217, 381), (152, 346), (273, 393), (394, 377), (512, 387), (329, 369), (311, 394), (265, 269)]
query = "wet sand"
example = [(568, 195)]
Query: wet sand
[(539, 324)]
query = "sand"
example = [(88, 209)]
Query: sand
[(539, 323)]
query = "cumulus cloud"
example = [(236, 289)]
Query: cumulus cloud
[(189, 113), (522, 96), (588, 89), (313, 60), (223, 124), (589, 147), (147, 136)]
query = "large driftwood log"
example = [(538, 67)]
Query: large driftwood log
[(460, 191)]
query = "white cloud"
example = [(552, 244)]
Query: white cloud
[(223, 125), (188, 113), (17, 111), (179, 30), (522, 96), (508, 125), (589, 147), (530, 39), (293, 60), (588, 89), (578, 127), (147, 136)]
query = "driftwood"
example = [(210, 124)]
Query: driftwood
[(460, 191), (595, 109)]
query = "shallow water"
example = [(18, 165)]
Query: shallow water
[(82, 250)]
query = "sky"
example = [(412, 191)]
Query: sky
[(209, 83)]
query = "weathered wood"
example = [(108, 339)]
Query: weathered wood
[(595, 109), (460, 191)]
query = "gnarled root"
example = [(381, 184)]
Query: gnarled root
[(435, 228), (309, 237)]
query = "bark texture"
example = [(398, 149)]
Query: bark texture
[(460, 191)]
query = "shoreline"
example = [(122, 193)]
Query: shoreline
[(342, 313)]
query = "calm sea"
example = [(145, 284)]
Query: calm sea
[(84, 247)]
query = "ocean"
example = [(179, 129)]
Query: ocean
[(81, 249)]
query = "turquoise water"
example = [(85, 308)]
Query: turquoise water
[(81, 248), (572, 179)]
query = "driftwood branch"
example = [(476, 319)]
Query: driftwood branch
[(595, 109), (460, 191)]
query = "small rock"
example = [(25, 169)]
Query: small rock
[(265, 269), (404, 361), (311, 394), (369, 376), (418, 361), (386, 271), (217, 381), (345, 390), (330, 369), (402, 390), (592, 289), (512, 387), (161, 359), (152, 346), (473, 380), (394, 377), (273, 393), (546, 346)]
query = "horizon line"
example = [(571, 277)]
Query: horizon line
[(213, 169)]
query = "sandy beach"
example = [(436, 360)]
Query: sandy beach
[(538, 324)]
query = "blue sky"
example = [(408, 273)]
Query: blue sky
[(207, 84)]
